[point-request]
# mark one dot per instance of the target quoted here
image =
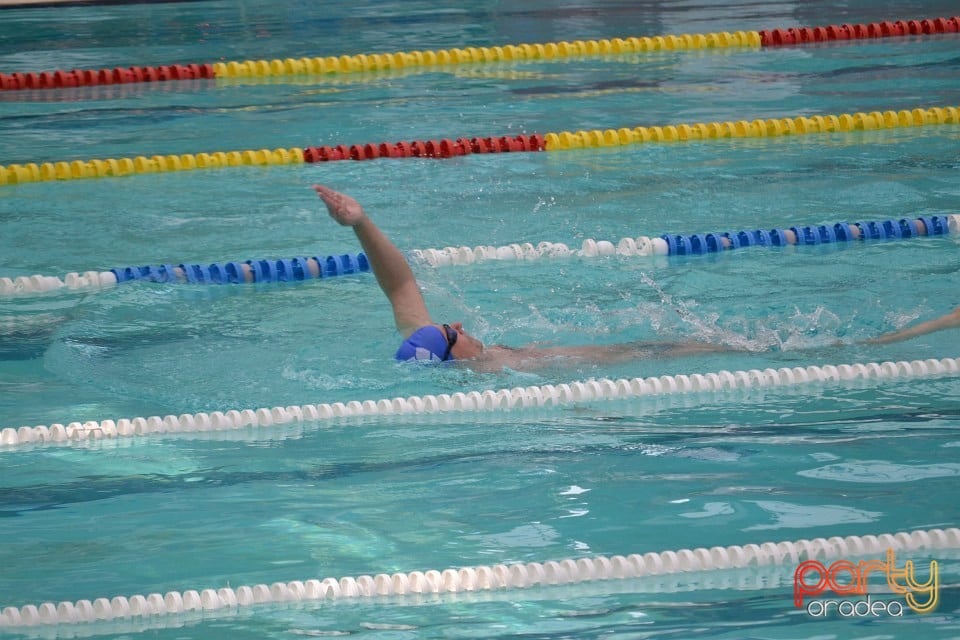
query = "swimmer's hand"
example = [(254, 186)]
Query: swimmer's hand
[(341, 207)]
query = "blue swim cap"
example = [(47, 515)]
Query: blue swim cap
[(426, 344)]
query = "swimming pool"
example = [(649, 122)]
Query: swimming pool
[(383, 494)]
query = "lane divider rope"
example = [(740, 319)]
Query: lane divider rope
[(116, 167), (378, 61), (498, 577), (301, 268), (444, 148), (758, 128), (64, 79), (741, 579), (504, 399), (803, 35), (283, 270), (447, 148), (702, 243), (445, 57)]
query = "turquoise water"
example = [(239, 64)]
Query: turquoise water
[(355, 497)]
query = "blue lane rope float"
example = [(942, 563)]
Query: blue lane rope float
[(301, 268), (809, 235), (282, 270)]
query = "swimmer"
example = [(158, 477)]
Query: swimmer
[(430, 341), (426, 340)]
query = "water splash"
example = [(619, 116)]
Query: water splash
[(801, 330)]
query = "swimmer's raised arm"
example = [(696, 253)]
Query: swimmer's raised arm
[(389, 265)]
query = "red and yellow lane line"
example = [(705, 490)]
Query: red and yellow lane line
[(447, 148), (446, 57)]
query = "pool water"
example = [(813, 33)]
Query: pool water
[(403, 493)]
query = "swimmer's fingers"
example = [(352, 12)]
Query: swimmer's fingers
[(330, 197), (341, 207), (325, 192)]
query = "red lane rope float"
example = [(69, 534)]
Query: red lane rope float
[(802, 35), (93, 77), (540, 51), (445, 148)]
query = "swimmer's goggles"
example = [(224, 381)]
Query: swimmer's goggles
[(452, 336)]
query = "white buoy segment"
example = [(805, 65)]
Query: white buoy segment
[(498, 577), (488, 400)]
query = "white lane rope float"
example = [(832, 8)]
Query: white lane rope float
[(499, 577), (642, 246), (489, 400)]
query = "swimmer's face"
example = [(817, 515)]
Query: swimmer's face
[(466, 347)]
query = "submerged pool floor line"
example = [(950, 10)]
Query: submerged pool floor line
[(499, 577), (303, 268)]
